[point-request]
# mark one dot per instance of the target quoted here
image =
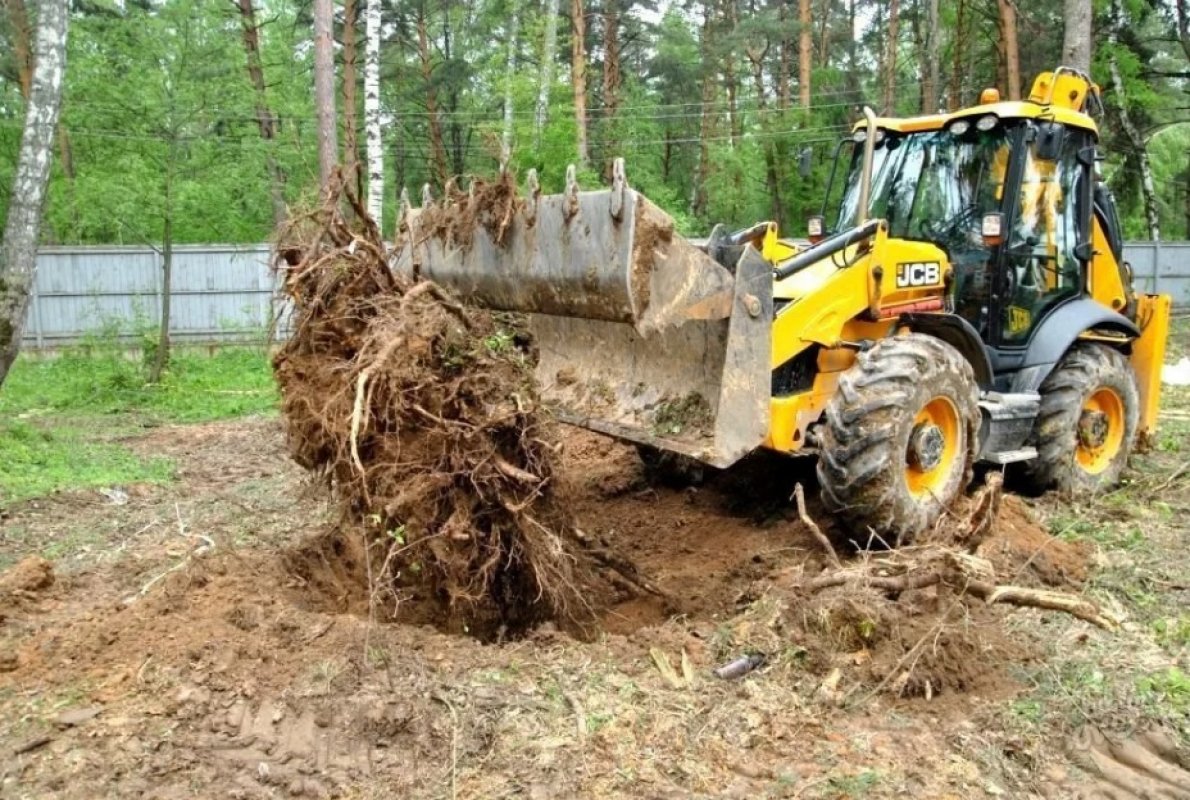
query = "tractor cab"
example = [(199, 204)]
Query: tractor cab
[(1007, 193)]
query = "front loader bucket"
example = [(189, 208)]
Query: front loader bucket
[(641, 334)]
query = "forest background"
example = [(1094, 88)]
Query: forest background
[(196, 120)]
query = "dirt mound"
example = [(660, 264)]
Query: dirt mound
[(31, 574), (1023, 549), (424, 419)]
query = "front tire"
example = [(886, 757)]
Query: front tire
[(1087, 424), (899, 437)]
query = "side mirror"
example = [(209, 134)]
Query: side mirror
[(992, 228), (1050, 137), (805, 162), (1084, 251)]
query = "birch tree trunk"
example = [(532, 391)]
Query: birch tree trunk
[(1136, 142), (578, 76), (1076, 42), (18, 250), (804, 49), (1012, 54), (324, 89), (375, 143), (548, 54), (506, 135)]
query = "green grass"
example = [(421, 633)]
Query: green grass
[(59, 416), (233, 382)]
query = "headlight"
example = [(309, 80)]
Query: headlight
[(861, 136), (986, 123), (959, 127)]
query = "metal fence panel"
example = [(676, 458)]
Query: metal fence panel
[(226, 292), (1162, 267), (220, 293)]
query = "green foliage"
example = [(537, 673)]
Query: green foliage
[(161, 119), (37, 460)]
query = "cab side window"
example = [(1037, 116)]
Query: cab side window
[(1042, 266)]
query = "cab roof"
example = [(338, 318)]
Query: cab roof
[(1059, 96)]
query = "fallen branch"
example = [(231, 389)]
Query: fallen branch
[(799, 496), (952, 575), (1042, 598)]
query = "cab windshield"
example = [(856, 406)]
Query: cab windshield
[(932, 186)]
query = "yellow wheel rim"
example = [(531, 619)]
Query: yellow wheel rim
[(1100, 430), (933, 447)]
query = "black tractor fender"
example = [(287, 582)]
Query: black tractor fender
[(959, 334), (1057, 332)]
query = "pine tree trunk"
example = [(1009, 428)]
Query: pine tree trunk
[(266, 123), (161, 357), (578, 77), (1076, 43), (853, 86), (804, 49), (351, 161), (890, 58), (771, 176), (22, 43), (731, 82), (1136, 142), (611, 83), (509, 74), (824, 32), (437, 145), (1012, 55), (929, 84), (548, 54), (698, 188), (18, 250), (784, 65), (324, 89), (955, 100), (372, 131)]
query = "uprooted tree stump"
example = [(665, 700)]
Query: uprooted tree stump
[(423, 417)]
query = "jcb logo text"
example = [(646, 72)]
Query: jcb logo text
[(919, 273)]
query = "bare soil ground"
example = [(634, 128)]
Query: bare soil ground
[(207, 639)]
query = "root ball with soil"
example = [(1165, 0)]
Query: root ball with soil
[(423, 418)]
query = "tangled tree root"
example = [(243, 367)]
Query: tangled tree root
[(423, 417)]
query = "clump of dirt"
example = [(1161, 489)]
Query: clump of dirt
[(31, 574), (428, 430)]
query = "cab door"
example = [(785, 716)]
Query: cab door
[(1044, 256)]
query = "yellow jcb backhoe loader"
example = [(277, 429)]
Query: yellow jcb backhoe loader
[(965, 300)]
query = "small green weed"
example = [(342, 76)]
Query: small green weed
[(1170, 687), (857, 785)]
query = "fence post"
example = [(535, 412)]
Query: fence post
[(35, 300)]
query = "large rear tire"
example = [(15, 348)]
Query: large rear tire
[(1087, 424), (899, 437)]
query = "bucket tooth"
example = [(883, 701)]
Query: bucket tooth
[(450, 191), (427, 196), (619, 185), (403, 208), (532, 195), (571, 192)]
